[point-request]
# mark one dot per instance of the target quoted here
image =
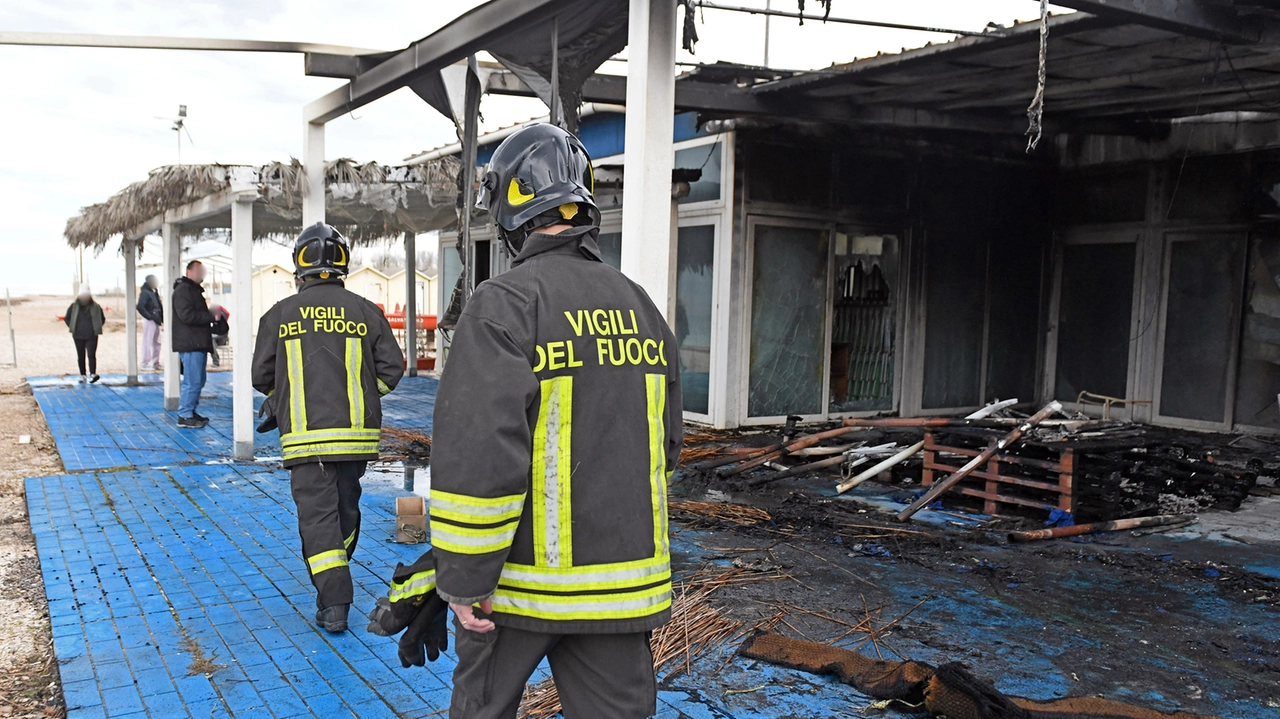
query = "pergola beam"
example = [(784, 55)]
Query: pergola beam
[(146, 42), (1196, 18), (466, 35)]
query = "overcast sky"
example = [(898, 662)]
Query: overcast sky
[(82, 123)]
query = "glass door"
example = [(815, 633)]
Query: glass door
[(695, 306)]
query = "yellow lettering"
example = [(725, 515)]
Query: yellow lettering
[(602, 349), (362, 329), (613, 323), (572, 361), (633, 342), (622, 354), (601, 328), (555, 355), (577, 326), (635, 327), (307, 312), (284, 330), (647, 345), (319, 326), (662, 352), (542, 358)]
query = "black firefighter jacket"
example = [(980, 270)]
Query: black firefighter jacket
[(557, 426), (325, 357), (193, 322)]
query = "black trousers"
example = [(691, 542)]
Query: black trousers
[(596, 675), (88, 347), (327, 495)]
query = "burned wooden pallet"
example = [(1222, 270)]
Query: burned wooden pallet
[(1012, 483)]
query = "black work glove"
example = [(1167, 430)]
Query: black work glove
[(427, 634)]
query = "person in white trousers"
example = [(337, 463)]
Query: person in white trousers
[(153, 319)]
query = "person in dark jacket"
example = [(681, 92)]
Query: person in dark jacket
[(557, 426), (84, 319), (325, 357), (152, 312), (192, 340)]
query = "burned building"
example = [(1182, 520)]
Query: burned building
[(877, 238)]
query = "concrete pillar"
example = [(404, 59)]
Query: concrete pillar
[(130, 249), (172, 249), (647, 241), (411, 303), (242, 327), (313, 166)]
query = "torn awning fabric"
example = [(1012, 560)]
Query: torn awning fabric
[(590, 32)]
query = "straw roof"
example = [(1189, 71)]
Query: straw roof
[(368, 202)]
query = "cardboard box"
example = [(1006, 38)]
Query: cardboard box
[(411, 520)]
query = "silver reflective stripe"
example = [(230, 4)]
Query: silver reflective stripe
[(474, 510), (585, 577), (605, 607)]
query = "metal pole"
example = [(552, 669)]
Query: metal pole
[(130, 312), (411, 303), (171, 244), (9, 303), (313, 166), (768, 5), (242, 328), (555, 71), (469, 131)]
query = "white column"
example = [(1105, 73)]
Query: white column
[(130, 249), (172, 247), (647, 240), (411, 303), (313, 166), (242, 326)]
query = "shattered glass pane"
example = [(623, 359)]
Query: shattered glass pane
[(1200, 327), (707, 159), (695, 260), (862, 329), (1095, 313), (611, 248), (788, 321), (1259, 379)]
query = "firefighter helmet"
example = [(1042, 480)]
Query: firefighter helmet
[(539, 176), (321, 251)]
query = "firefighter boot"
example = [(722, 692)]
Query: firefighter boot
[(333, 619)]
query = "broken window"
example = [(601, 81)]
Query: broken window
[(1095, 315), (1259, 378), (955, 278), (862, 330), (695, 263), (788, 321), (1200, 326), (707, 159), (611, 248)]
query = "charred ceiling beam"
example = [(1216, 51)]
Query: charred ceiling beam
[(1197, 18), (463, 36)]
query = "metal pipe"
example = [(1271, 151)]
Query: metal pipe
[(143, 42), (810, 467), (973, 464), (1162, 520), (555, 71), (891, 462), (806, 441), (843, 20)]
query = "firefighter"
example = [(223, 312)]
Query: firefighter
[(324, 358), (557, 425)]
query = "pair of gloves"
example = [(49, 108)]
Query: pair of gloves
[(422, 617)]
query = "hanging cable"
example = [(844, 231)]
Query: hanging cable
[(1035, 111)]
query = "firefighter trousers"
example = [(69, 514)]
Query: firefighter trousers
[(596, 675), (327, 495)]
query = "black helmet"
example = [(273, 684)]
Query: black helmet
[(321, 250), (539, 176)]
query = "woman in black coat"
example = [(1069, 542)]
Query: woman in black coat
[(84, 319)]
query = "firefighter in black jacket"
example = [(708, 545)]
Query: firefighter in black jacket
[(557, 426), (325, 357)]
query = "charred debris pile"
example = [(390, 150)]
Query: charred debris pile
[(999, 461)]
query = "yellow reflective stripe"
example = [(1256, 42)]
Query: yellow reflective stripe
[(297, 392), (355, 381), (320, 435), (552, 472), (472, 540), (324, 561), (506, 502), (628, 605), (589, 578), (382, 387), (318, 450), (415, 586), (656, 392), (469, 518), (349, 540)]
